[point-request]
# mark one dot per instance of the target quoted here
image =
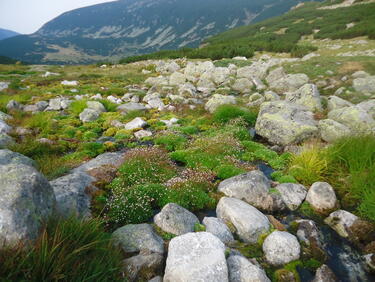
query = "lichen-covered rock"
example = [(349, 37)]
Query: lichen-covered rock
[(255, 100), (196, 257), (142, 134), (26, 201), (331, 130), (242, 85), (281, 248), (368, 106), (217, 227), (8, 157), (131, 106), (135, 123), (175, 219), (254, 188), (355, 118), (242, 270), (364, 84), (218, 100), (285, 123), (4, 116), (341, 221), (248, 221), (275, 75), (220, 75), (4, 127), (89, 115), (5, 141), (324, 274), (96, 106), (289, 83), (308, 95), (134, 238), (292, 194), (177, 78), (321, 197), (335, 103)]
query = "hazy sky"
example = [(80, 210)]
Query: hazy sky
[(27, 16)]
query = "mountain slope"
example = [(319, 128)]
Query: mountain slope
[(129, 27), (5, 33)]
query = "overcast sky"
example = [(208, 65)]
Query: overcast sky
[(27, 16)]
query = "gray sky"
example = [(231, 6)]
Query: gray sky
[(27, 16)]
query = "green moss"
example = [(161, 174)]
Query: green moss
[(226, 113), (199, 227), (171, 142), (227, 171)]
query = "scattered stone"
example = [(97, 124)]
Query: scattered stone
[(292, 194), (331, 130), (308, 95), (324, 274), (341, 221), (89, 115), (321, 197), (69, 83), (143, 266), (281, 248), (248, 221), (13, 106), (242, 85), (335, 103), (129, 107), (364, 84), (135, 123), (218, 100), (217, 227), (96, 106), (242, 270), (196, 257), (142, 134), (175, 219)]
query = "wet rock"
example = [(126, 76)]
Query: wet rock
[(218, 100), (308, 232), (248, 221), (175, 219), (135, 123), (89, 115), (143, 266), (370, 261), (308, 95), (341, 221), (321, 197), (292, 194), (242, 270), (217, 227), (281, 248), (196, 257), (324, 274), (331, 130)]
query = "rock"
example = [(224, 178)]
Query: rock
[(5, 141), (289, 83), (143, 266), (368, 106), (248, 221), (321, 197), (218, 100), (256, 100), (135, 123), (4, 85), (331, 130), (281, 248), (96, 106), (167, 67), (308, 95), (360, 74), (129, 107), (355, 118), (134, 238), (114, 159), (285, 123), (69, 83), (275, 75), (157, 81), (170, 122), (88, 115), (156, 103), (308, 232), (218, 228), (370, 261), (242, 270), (364, 84), (196, 257), (156, 279), (220, 75), (54, 105), (142, 134), (187, 90), (254, 188), (175, 219), (292, 194), (335, 103), (8, 157), (13, 106), (259, 85), (26, 202), (242, 85), (271, 96), (341, 221), (177, 78), (196, 69), (4, 116), (4, 127), (324, 274)]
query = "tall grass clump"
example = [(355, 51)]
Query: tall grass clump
[(226, 113), (67, 250)]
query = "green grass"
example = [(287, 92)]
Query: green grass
[(226, 113)]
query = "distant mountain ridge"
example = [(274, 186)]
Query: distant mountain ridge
[(6, 33), (128, 27)]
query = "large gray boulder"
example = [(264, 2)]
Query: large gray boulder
[(8, 157), (175, 219), (220, 75), (26, 201), (335, 103), (341, 221), (254, 188), (364, 84), (4, 127), (275, 75), (196, 257), (131, 106), (289, 83), (242, 270), (177, 78), (355, 118), (331, 130), (89, 115), (308, 95), (285, 123), (292, 194), (249, 222), (5, 140), (217, 227), (368, 106), (96, 106), (242, 85), (135, 123), (281, 248), (218, 100), (321, 197), (135, 238)]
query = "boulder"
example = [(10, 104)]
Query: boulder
[(242, 270), (355, 118), (308, 233), (175, 219), (285, 123), (142, 134), (135, 238), (242, 85), (256, 100), (289, 83), (167, 67), (177, 78), (217, 227), (13, 106), (249, 222), (220, 75), (308, 95), (335, 103), (331, 130), (368, 106), (321, 197), (196, 257), (275, 75), (292, 194), (218, 100), (5, 140), (281, 247), (157, 81), (156, 103), (131, 106), (96, 106), (4, 85), (364, 84), (4, 127), (113, 159), (143, 266), (54, 105), (324, 274), (26, 201), (254, 188), (89, 115), (341, 221), (135, 123), (4, 116), (8, 157), (69, 83)]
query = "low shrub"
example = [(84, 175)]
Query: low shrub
[(225, 113), (171, 141)]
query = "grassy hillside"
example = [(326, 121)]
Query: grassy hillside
[(283, 33)]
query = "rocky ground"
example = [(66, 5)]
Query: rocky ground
[(82, 126)]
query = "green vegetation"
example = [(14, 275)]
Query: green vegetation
[(67, 250), (226, 113)]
